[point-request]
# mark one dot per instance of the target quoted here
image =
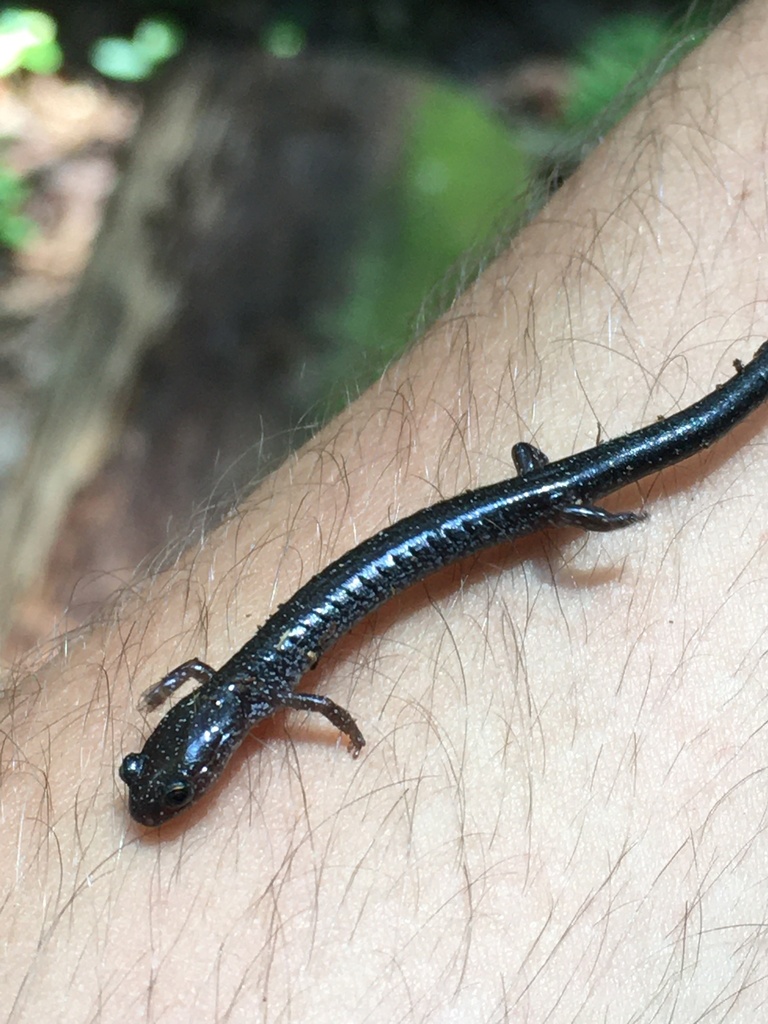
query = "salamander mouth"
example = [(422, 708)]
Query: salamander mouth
[(149, 816), (153, 797)]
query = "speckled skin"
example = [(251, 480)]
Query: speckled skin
[(187, 751)]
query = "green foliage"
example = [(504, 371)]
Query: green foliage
[(622, 50), (28, 42), (463, 174), (283, 39), (15, 227), (131, 60)]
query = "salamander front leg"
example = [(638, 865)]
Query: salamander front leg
[(336, 715), (160, 692)]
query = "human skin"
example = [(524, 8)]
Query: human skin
[(560, 813)]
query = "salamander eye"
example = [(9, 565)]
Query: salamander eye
[(177, 794)]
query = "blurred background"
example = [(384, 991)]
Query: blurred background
[(220, 219)]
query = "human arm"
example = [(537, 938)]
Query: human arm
[(559, 807)]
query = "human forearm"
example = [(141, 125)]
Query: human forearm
[(559, 807)]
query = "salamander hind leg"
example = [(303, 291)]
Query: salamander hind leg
[(593, 517), (527, 458), (336, 715)]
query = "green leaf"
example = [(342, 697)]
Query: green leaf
[(119, 58), (158, 40), (28, 40), (131, 60)]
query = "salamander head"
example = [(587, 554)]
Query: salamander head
[(184, 755), (155, 794)]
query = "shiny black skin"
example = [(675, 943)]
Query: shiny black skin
[(203, 729), (189, 748)]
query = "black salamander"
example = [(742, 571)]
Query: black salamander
[(188, 749)]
